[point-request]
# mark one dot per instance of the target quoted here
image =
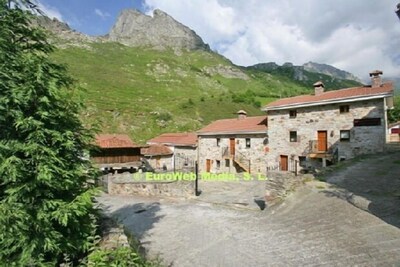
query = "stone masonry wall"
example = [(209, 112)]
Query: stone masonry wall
[(208, 149), (127, 184), (310, 120)]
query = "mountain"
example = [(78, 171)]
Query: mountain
[(152, 75), (330, 71), (309, 73), (160, 31)]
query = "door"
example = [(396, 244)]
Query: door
[(232, 146), (322, 141), (283, 163), (208, 165)]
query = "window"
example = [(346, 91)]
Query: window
[(227, 162), (248, 144), (344, 135), (344, 109), (367, 122), (293, 136), (218, 162), (218, 141), (292, 113)]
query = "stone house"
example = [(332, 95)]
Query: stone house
[(159, 156), (328, 126), (183, 147), (233, 145)]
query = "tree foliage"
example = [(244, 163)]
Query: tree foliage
[(46, 207)]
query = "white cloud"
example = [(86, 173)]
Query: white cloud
[(50, 11), (357, 36), (101, 14)]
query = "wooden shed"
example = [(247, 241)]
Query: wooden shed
[(115, 149)]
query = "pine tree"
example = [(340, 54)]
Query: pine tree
[(46, 202)]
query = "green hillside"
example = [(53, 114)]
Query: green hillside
[(304, 77), (143, 92)]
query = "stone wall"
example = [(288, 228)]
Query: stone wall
[(280, 184), (310, 120), (184, 157), (255, 154), (136, 184), (161, 162)]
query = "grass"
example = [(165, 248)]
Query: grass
[(124, 87)]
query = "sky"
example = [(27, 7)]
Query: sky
[(354, 35)]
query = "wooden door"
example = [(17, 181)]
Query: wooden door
[(208, 165), (322, 141), (232, 146), (283, 163)]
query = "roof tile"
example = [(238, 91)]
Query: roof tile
[(114, 141), (175, 139), (347, 93), (156, 150), (248, 124)]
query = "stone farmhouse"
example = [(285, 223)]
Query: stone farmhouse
[(159, 156), (183, 147), (328, 126), (233, 145)]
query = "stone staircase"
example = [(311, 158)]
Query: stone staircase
[(242, 161), (238, 158)]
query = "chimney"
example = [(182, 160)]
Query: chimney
[(318, 88), (376, 80), (241, 114)]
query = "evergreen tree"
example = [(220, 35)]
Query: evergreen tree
[(46, 206)]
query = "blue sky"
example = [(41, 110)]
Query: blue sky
[(356, 35), (92, 17)]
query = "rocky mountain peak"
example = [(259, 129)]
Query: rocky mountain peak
[(159, 31), (329, 70)]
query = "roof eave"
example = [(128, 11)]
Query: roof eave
[(326, 102), (232, 132)]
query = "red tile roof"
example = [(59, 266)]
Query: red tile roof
[(336, 95), (257, 124), (156, 150), (175, 139), (114, 141)]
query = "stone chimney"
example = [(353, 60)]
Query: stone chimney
[(376, 80), (241, 114), (318, 88)]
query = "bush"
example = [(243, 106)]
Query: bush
[(119, 257)]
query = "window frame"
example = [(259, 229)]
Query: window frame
[(293, 113), (345, 139), (366, 122), (344, 109), (227, 163), (247, 142), (291, 138), (218, 142)]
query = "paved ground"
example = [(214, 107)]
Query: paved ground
[(314, 227), (372, 184)]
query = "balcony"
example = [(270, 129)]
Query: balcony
[(321, 151)]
